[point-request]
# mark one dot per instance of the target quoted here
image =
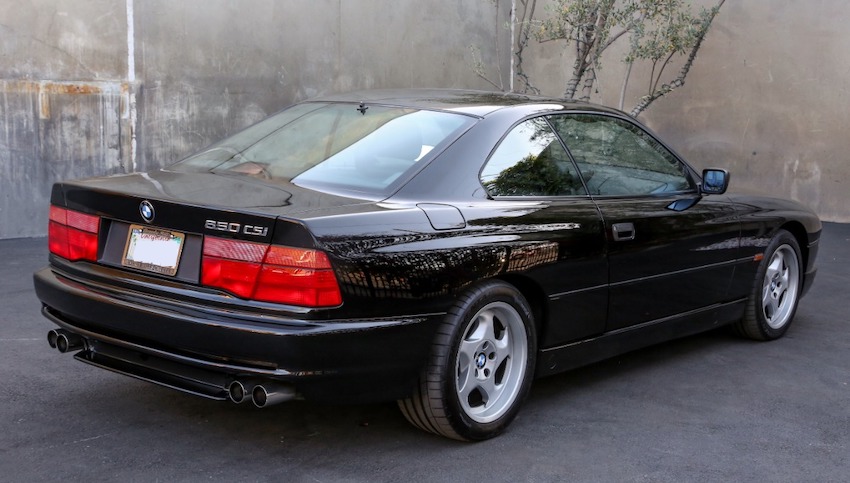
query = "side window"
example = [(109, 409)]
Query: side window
[(531, 161), (616, 157)]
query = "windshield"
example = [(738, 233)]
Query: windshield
[(333, 146)]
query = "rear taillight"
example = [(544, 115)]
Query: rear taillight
[(270, 273), (72, 235)]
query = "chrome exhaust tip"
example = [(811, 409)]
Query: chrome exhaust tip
[(239, 392), (268, 394), (69, 342), (64, 341), (52, 336)]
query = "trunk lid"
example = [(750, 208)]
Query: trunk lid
[(150, 209)]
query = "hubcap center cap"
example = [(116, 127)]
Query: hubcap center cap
[(480, 360)]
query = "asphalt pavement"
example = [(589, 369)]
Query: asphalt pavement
[(707, 408)]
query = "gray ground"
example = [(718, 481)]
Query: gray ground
[(707, 408)]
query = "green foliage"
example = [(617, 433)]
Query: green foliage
[(658, 30), (534, 175), (673, 29)]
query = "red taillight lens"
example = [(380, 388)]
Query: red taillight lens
[(297, 257), (231, 275), (72, 235), (285, 275), (232, 265), (57, 239)]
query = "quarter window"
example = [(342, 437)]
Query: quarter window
[(531, 161), (617, 158)]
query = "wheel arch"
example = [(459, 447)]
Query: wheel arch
[(798, 231), (536, 298)]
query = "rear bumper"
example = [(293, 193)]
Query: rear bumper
[(201, 349)]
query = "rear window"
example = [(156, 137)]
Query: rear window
[(334, 146)]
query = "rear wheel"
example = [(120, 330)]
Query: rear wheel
[(480, 368), (776, 290)]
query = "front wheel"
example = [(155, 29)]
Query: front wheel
[(776, 290), (480, 368)]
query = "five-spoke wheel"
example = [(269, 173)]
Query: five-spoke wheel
[(491, 362), (776, 291), (481, 366), (779, 294)]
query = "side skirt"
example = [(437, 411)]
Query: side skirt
[(576, 354)]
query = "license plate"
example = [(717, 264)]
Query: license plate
[(153, 250)]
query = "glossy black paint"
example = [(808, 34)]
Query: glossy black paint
[(401, 261), (688, 257)]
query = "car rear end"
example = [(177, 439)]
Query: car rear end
[(191, 301), (207, 278)]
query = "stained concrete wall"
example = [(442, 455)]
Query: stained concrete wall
[(62, 102), (768, 98), (80, 97)]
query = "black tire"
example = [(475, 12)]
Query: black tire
[(480, 368), (776, 290)]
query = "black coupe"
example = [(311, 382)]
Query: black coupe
[(441, 248)]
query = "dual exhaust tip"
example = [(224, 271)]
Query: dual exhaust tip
[(262, 394), (64, 341)]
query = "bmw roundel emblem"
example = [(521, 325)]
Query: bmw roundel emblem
[(146, 210)]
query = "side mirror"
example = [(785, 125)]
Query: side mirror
[(714, 181)]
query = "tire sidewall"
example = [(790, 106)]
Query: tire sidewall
[(483, 295)]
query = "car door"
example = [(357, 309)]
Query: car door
[(670, 250), (552, 227)]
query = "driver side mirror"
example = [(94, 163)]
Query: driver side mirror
[(714, 181)]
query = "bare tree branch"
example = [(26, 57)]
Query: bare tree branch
[(679, 81), (614, 38), (625, 85), (522, 42), (478, 68), (661, 72)]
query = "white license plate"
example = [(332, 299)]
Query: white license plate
[(153, 250)]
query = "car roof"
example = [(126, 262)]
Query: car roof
[(473, 102)]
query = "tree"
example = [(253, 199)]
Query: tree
[(533, 175), (658, 31), (524, 20)]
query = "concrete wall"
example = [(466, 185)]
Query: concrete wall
[(63, 102), (770, 101), (768, 98), (99, 87)]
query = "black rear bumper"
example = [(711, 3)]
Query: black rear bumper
[(201, 349)]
